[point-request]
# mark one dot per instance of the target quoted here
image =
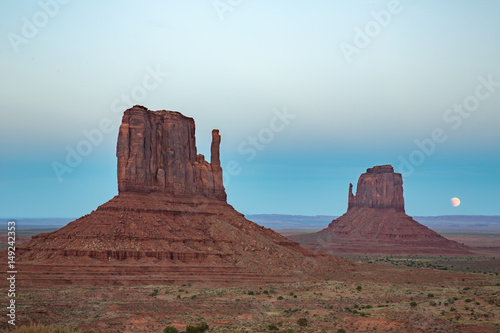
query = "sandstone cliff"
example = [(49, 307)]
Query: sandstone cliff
[(156, 152), (379, 187)]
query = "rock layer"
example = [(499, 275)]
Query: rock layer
[(170, 222), (375, 222)]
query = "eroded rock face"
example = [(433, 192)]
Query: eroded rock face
[(156, 152), (379, 187)]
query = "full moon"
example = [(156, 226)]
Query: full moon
[(455, 202)]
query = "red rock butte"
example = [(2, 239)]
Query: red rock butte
[(376, 222), (156, 152), (169, 223)]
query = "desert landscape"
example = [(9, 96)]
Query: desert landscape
[(168, 253), (372, 297), (249, 166)]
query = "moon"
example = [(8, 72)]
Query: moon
[(455, 202)]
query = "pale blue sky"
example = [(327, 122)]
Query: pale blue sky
[(231, 74)]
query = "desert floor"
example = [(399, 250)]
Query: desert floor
[(381, 294)]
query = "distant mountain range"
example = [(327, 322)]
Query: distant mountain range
[(480, 223)]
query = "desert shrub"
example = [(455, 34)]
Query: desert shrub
[(430, 295), (191, 329), (358, 288), (302, 322), (467, 300), (272, 327), (432, 303), (280, 298), (154, 293), (201, 327), (413, 304), (494, 301), (170, 329), (266, 292), (251, 292), (341, 330)]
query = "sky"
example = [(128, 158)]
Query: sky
[(306, 94)]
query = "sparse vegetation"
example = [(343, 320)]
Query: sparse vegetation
[(201, 327), (39, 328), (170, 329), (302, 322), (431, 295), (272, 327)]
